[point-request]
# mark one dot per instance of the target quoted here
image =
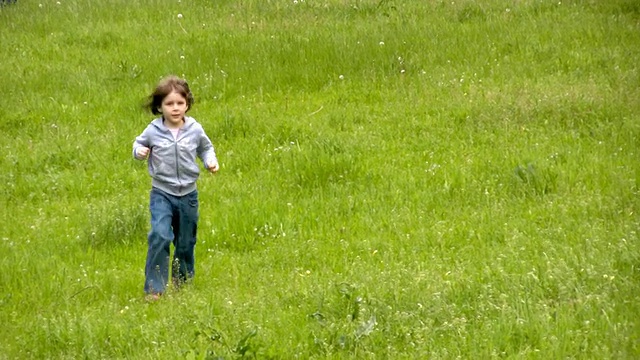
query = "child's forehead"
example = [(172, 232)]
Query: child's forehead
[(174, 95)]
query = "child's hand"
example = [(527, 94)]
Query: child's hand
[(142, 152), (213, 167)]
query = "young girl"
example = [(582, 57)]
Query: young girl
[(171, 144)]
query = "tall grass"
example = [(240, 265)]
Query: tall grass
[(400, 179)]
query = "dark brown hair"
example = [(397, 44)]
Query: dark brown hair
[(165, 87)]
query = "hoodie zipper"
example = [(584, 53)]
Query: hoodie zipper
[(175, 144)]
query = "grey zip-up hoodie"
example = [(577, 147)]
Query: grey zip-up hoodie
[(172, 162)]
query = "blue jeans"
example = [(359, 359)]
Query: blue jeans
[(174, 219)]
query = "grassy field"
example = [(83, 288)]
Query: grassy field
[(416, 179)]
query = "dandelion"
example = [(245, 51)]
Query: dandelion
[(381, 43), (179, 16), (341, 77)]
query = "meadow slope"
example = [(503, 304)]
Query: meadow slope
[(400, 179)]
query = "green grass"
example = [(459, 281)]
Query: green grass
[(400, 179)]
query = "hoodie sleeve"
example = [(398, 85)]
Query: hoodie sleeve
[(206, 152), (141, 140)]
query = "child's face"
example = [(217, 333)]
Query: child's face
[(174, 106)]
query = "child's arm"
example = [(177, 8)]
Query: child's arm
[(207, 153), (141, 146)]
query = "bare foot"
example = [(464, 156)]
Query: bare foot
[(152, 297)]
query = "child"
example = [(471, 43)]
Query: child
[(171, 143)]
